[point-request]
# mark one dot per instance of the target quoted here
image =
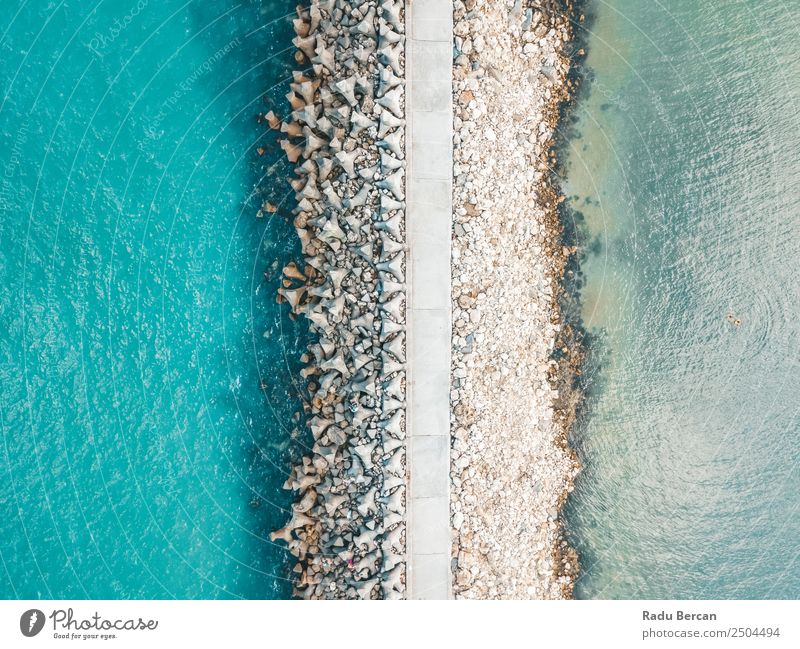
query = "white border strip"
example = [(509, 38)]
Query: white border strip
[(429, 155)]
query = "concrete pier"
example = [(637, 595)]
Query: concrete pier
[(429, 152)]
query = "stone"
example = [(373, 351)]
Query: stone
[(502, 339)]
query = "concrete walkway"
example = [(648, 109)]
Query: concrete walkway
[(429, 152)]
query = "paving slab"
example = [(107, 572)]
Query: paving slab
[(428, 454), (428, 512), (432, 20), (432, 576)]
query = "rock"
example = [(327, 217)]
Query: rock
[(502, 330)]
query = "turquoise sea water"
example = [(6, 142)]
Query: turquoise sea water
[(140, 455), (686, 171)]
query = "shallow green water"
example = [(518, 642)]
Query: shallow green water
[(140, 456), (686, 171)]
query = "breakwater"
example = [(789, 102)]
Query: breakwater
[(345, 134)]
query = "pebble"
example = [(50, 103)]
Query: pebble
[(509, 474)]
